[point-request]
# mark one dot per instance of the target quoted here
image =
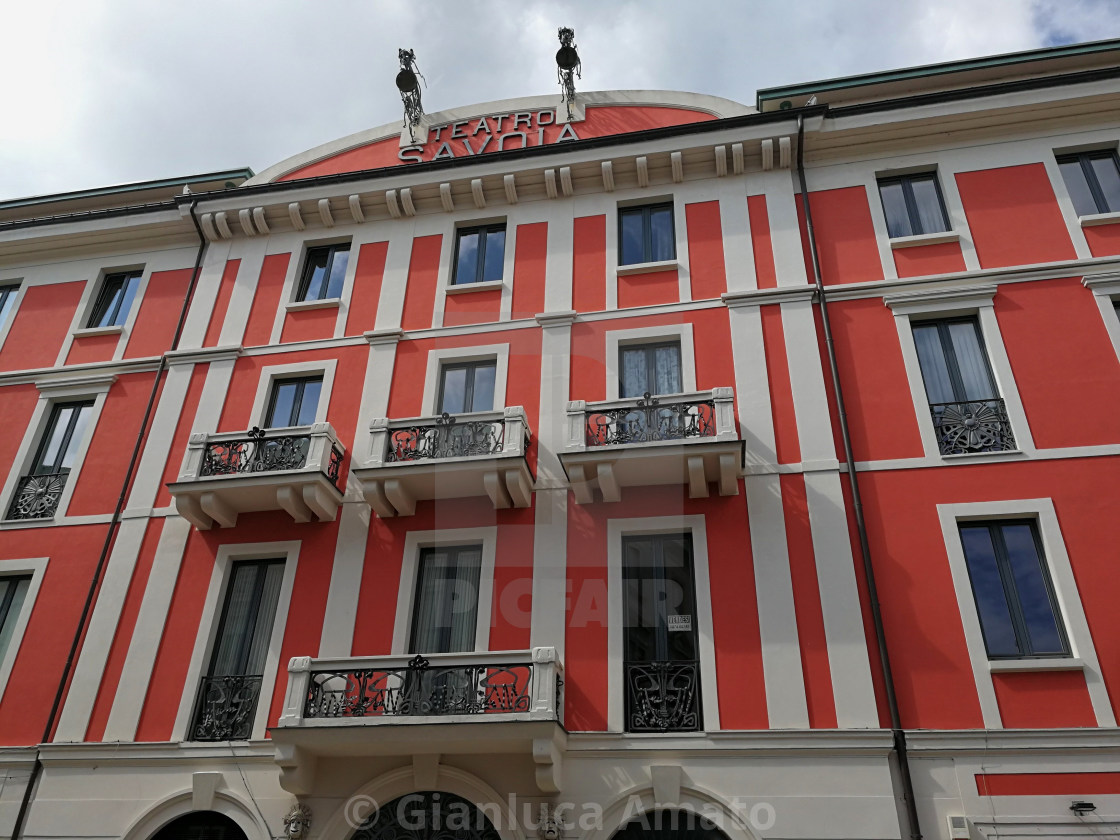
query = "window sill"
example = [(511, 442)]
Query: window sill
[(925, 239), (1099, 219), (1011, 666), (89, 331), (648, 268), (326, 303), (1004, 453), (463, 288)]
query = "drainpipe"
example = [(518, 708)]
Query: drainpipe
[(110, 534), (898, 733)]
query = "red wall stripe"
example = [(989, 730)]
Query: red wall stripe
[(1047, 784), (423, 274), (648, 289), (923, 260), (221, 304), (766, 276), (309, 324), (87, 349), (589, 264), (781, 389), (266, 301), (1103, 240), (155, 324), (41, 323), (1044, 699), (368, 277), (472, 308), (845, 234), (705, 250), (529, 268), (182, 433)]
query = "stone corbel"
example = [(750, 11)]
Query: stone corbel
[(549, 762), (297, 769)]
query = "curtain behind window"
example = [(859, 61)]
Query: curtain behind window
[(446, 611), (246, 627)]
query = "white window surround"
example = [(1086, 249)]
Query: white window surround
[(90, 293), (487, 537), (1095, 219), (445, 287), (1106, 291), (6, 326), (36, 567), (955, 302), (439, 357), (1084, 654), (51, 392), (680, 199), (617, 339), (294, 272), (640, 526), (226, 556), (273, 373)]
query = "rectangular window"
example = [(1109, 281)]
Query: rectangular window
[(114, 300), (294, 402), (968, 413), (480, 254), (913, 205), (323, 272), (649, 369), (38, 493), (445, 615), (646, 234), (467, 387), (228, 695), (1093, 181), (7, 301), (1019, 614), (13, 591), (660, 637)]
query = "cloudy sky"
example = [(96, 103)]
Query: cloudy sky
[(104, 92)]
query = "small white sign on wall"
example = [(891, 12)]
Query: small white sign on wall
[(680, 623)]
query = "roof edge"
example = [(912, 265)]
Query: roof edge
[(133, 186)]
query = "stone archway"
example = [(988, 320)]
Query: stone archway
[(201, 825), (428, 815)]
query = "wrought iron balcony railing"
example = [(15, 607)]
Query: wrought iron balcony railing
[(258, 451), (663, 696), (975, 426), (226, 708), (37, 496), (446, 437), (651, 419)]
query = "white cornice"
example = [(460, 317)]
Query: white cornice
[(81, 373), (758, 297), (203, 354), (987, 741), (757, 742)]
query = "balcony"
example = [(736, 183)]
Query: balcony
[(493, 703), (978, 426), (673, 439), (295, 469), (447, 457)]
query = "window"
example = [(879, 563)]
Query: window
[(228, 695), (13, 591), (1093, 181), (1019, 614), (968, 413), (646, 234), (294, 402), (7, 301), (114, 300), (660, 641), (913, 205), (467, 387), (323, 272), (649, 369), (445, 616), (480, 254), (38, 493)]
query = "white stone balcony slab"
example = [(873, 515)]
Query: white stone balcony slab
[(447, 457), (668, 439), (295, 469)]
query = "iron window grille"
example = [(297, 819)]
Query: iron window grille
[(294, 402), (913, 205), (480, 254), (13, 591), (1011, 586), (7, 301), (1093, 181), (324, 270), (38, 493), (114, 300), (467, 387), (646, 234)]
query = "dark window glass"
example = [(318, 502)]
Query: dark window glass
[(446, 612), (114, 300), (246, 625), (1014, 597), (649, 368), (646, 234), (13, 591), (1093, 181), (294, 402), (64, 433), (480, 254), (467, 387), (953, 361), (913, 205), (7, 301), (323, 272)]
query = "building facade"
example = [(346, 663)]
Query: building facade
[(576, 467)]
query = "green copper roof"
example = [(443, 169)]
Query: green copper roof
[(229, 175)]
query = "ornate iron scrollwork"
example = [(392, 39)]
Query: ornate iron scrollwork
[(447, 437), (663, 696), (225, 708), (256, 452), (419, 688), (649, 420), (334, 465), (37, 496), (976, 426)]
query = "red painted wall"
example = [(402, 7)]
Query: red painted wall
[(221, 303), (309, 324), (767, 277), (1047, 784), (589, 264), (474, 307), (1043, 700), (41, 323), (87, 349), (648, 289), (423, 274), (368, 278), (705, 250), (924, 260), (182, 434), (159, 313), (266, 301), (845, 235), (529, 265), (1103, 240), (16, 409), (781, 390)]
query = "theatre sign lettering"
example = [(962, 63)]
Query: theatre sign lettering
[(491, 133)]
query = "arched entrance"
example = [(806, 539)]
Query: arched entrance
[(428, 815), (670, 824), (201, 825)]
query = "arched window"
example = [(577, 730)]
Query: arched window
[(670, 824), (428, 815), (201, 825)]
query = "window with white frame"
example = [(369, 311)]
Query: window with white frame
[(480, 254), (13, 592), (646, 234), (114, 300), (294, 401), (7, 301), (1093, 181), (466, 387), (38, 493), (324, 271), (445, 613), (653, 368), (913, 205)]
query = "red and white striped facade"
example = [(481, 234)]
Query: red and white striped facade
[(796, 724)]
